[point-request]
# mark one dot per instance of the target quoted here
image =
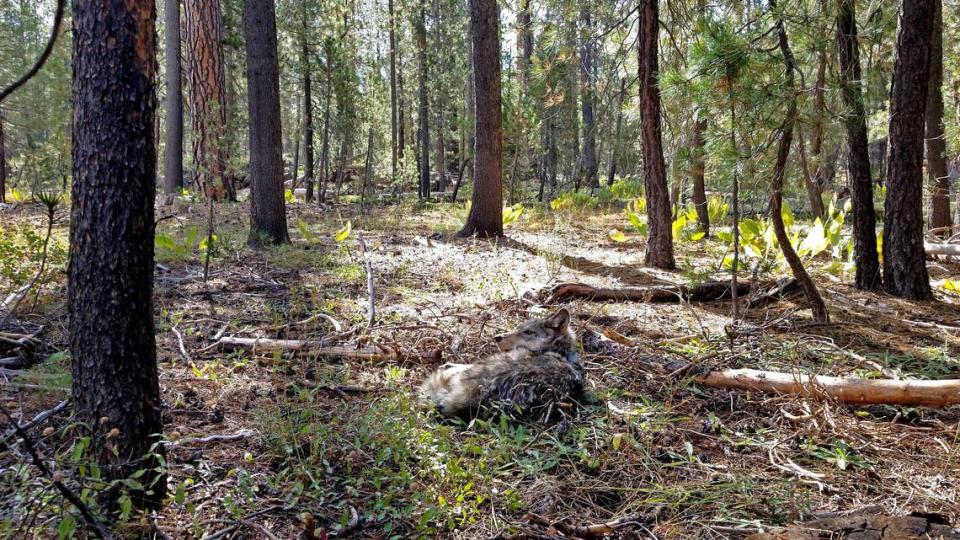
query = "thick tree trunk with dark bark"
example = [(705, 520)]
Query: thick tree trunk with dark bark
[(588, 160), (113, 352), (208, 96), (3, 162), (173, 149), (268, 216), (936, 142), (659, 252), (486, 211), (817, 306), (308, 173), (904, 263), (865, 254)]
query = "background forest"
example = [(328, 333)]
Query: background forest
[(236, 235)]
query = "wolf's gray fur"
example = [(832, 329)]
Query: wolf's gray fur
[(539, 366)]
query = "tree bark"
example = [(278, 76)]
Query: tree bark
[(588, 160), (208, 97), (612, 163), (815, 182), (401, 111), (524, 45), (308, 173), (817, 306), (3, 162), (325, 145), (113, 352), (904, 264), (936, 141), (268, 217), (659, 253), (423, 132), (865, 254), (393, 92), (173, 149), (486, 211), (698, 173)]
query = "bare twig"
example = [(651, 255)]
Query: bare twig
[(98, 529), (372, 310), (57, 21), (240, 435), (38, 419), (183, 348)]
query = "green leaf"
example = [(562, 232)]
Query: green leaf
[(816, 240), (512, 213), (617, 235), (67, 527), (344, 233), (699, 235)]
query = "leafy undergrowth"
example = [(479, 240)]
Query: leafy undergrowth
[(343, 447)]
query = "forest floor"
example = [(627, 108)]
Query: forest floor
[(342, 444)]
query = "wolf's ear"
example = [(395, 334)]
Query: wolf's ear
[(559, 320)]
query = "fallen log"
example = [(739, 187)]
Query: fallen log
[(705, 292), (941, 248), (926, 393)]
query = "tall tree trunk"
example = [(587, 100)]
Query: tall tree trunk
[(208, 97), (115, 390), (904, 262), (367, 168), (441, 152), (173, 149), (589, 158), (659, 253), (698, 173), (817, 306), (325, 145), (815, 182), (401, 111), (470, 120), (308, 176), (268, 217), (936, 142), (295, 165), (612, 163), (3, 162), (394, 117), (524, 45), (865, 254), (423, 133), (486, 210)]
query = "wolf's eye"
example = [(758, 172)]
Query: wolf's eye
[(528, 332)]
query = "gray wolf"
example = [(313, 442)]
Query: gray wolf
[(538, 367)]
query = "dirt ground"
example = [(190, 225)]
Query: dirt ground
[(341, 446)]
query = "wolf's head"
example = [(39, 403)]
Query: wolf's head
[(538, 334)]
